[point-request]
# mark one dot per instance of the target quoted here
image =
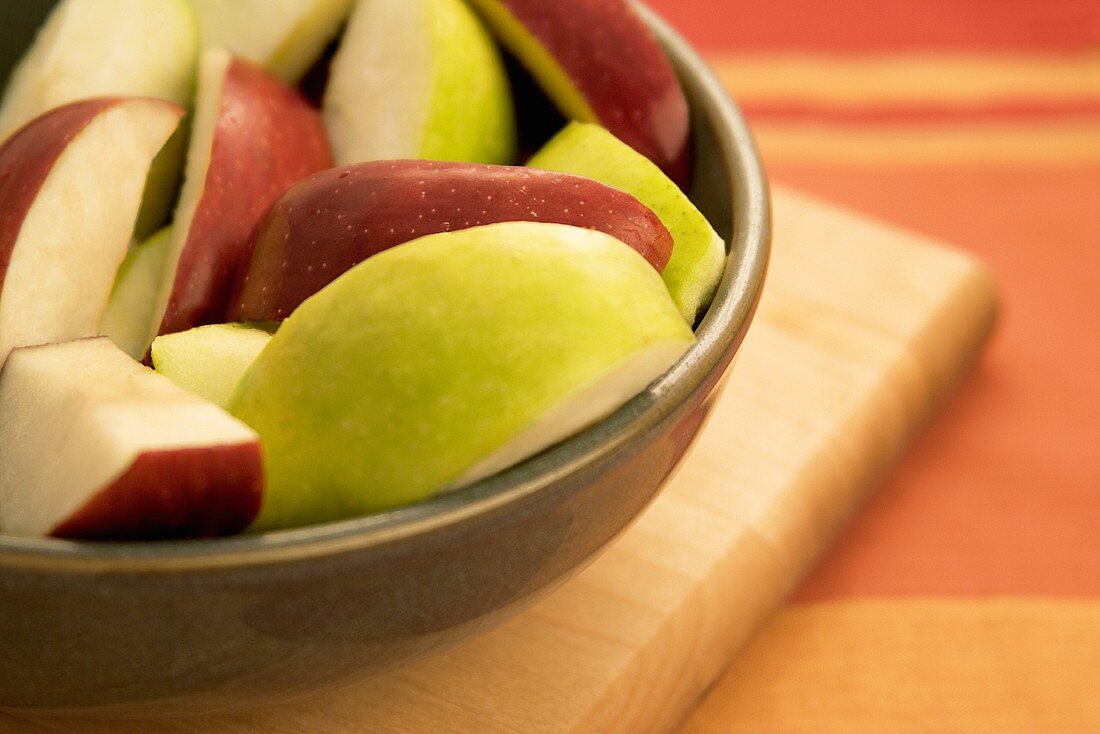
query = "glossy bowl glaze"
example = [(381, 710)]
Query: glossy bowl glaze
[(184, 627)]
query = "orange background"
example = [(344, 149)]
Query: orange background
[(975, 570)]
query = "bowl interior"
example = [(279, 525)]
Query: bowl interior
[(729, 188)]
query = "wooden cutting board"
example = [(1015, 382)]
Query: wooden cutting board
[(862, 332)]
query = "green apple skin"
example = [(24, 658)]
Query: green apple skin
[(209, 361), (698, 253), (284, 36), (419, 79), (129, 316), (407, 373), (98, 48)]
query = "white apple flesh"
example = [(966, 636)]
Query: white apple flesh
[(96, 446), (70, 188)]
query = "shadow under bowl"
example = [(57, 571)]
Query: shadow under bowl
[(193, 626)]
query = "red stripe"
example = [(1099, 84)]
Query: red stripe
[(917, 112), (886, 25)]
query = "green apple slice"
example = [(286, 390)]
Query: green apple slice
[(95, 48), (443, 360), (283, 36), (418, 79), (129, 315), (209, 361), (698, 253)]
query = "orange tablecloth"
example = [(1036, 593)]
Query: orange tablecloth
[(966, 597)]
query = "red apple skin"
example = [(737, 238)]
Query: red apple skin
[(620, 69), (335, 219), (27, 157), (175, 493), (267, 138)]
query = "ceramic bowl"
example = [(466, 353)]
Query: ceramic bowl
[(185, 627)]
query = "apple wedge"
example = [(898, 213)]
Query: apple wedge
[(449, 358), (96, 48), (96, 446), (128, 320), (698, 253), (209, 361), (70, 188), (335, 219), (283, 36), (252, 138), (600, 63), (418, 79)]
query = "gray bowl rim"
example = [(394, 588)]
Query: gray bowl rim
[(720, 332)]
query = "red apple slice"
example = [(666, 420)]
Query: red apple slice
[(70, 187), (96, 446), (600, 63), (253, 137), (335, 219)]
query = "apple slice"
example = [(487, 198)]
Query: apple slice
[(70, 188), (335, 219), (96, 446), (252, 138), (446, 359), (698, 255), (600, 63), (128, 318), (283, 36), (418, 79), (95, 48), (210, 360)]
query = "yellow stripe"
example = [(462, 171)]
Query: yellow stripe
[(969, 79), (1044, 143), (901, 666)]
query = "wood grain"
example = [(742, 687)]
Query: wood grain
[(862, 332)]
